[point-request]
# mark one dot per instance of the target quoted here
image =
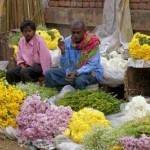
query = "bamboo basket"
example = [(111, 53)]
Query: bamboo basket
[(137, 82)]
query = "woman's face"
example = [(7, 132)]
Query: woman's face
[(28, 33), (77, 33)]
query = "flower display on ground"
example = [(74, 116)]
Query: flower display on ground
[(39, 120), (82, 122), (10, 101), (139, 47)]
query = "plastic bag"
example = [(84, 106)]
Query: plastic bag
[(10, 133), (65, 89), (116, 120), (64, 143), (116, 29), (39, 143), (55, 56), (69, 146), (113, 77), (3, 65)]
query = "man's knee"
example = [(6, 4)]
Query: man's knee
[(10, 72), (80, 82), (48, 78), (48, 72), (79, 79), (24, 71)]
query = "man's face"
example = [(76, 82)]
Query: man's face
[(28, 33), (77, 33)]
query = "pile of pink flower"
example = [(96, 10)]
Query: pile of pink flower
[(131, 143), (39, 120)]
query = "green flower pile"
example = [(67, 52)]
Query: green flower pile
[(32, 88), (98, 100)]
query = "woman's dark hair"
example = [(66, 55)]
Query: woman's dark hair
[(26, 23)]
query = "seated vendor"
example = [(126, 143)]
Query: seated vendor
[(80, 61), (33, 57)]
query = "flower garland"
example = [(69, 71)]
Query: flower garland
[(10, 101), (139, 47), (82, 122), (39, 120)]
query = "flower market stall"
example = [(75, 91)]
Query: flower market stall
[(38, 117), (137, 80)]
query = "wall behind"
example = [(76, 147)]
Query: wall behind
[(60, 13)]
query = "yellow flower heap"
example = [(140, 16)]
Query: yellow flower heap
[(10, 101), (46, 37), (51, 37), (82, 122), (139, 47), (15, 47)]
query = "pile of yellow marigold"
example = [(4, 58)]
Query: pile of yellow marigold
[(139, 47), (51, 37), (10, 101), (82, 122)]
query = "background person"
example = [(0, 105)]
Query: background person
[(80, 60), (33, 57)]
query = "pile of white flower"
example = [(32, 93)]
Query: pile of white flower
[(137, 108)]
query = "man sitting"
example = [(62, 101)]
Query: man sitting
[(80, 60), (33, 57)]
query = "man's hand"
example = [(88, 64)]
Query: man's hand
[(70, 76), (23, 66), (61, 45)]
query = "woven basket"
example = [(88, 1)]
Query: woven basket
[(137, 82)]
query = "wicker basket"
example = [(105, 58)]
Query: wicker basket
[(137, 82)]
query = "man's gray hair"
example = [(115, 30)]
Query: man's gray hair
[(77, 22)]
